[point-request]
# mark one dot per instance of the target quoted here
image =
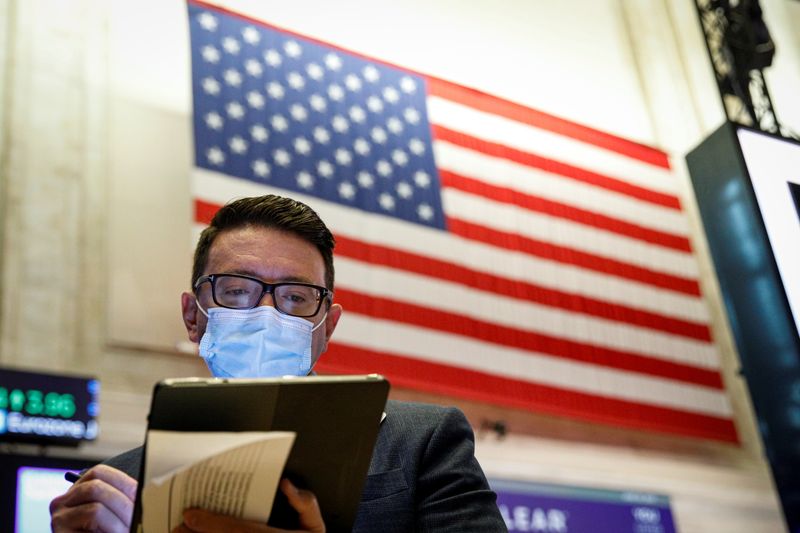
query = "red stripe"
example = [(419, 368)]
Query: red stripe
[(468, 384), (561, 254), (552, 166), (556, 209), (204, 211), (505, 108), (444, 321), (393, 258)]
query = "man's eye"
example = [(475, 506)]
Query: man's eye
[(236, 291)]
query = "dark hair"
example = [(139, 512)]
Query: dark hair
[(270, 211)]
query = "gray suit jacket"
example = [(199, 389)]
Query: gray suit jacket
[(423, 475)]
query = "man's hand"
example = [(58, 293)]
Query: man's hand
[(303, 501), (101, 500)]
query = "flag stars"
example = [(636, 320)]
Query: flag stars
[(251, 35), (305, 180), (273, 58), (399, 157), (411, 115), (282, 157), (238, 145), (210, 86), (275, 90), (255, 99), (231, 45), (321, 135), (298, 112), (315, 71), (210, 54), (302, 146), (416, 146), (394, 125), (340, 124), (292, 49), (391, 95), (384, 168), (253, 68), (365, 179), (347, 190), (335, 92), (422, 179), (404, 190), (279, 123), (214, 120), (325, 169), (318, 103), (352, 82), (232, 77), (408, 85), (371, 74), (333, 62), (207, 21), (378, 135), (296, 81), (374, 104), (425, 212), (386, 201), (215, 156), (361, 146), (343, 157), (259, 133), (235, 110), (260, 168), (357, 114)]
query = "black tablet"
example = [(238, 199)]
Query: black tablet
[(335, 418)]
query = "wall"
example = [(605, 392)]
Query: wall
[(94, 196)]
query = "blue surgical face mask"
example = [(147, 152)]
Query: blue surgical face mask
[(256, 343)]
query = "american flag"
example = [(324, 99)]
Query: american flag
[(485, 250)]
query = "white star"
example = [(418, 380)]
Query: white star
[(214, 121), (384, 168), (296, 80), (211, 86), (251, 35), (343, 157), (318, 103), (314, 71), (298, 112), (386, 201), (374, 104), (408, 85), (333, 62), (253, 67), (279, 123), (391, 95), (365, 179), (210, 54), (395, 125), (207, 21), (340, 124), (361, 146), (275, 90), (282, 157), (238, 144), (260, 168), (325, 169), (404, 190), (346, 190), (425, 212), (235, 110), (416, 146), (321, 135), (259, 133), (302, 146), (357, 114), (400, 158), (371, 74), (305, 180), (378, 135), (272, 57), (231, 45), (255, 99), (232, 77), (422, 179), (215, 156), (352, 82), (411, 115), (335, 92), (292, 49)]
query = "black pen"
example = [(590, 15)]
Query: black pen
[(72, 477)]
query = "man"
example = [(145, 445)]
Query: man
[(262, 306)]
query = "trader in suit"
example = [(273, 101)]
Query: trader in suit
[(262, 306)]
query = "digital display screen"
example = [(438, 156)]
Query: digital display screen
[(36, 488), (774, 168), (36, 407)]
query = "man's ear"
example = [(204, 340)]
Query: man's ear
[(331, 319), (189, 310)]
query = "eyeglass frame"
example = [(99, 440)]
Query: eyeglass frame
[(266, 288)]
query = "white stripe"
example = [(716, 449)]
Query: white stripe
[(544, 143), (436, 294), (429, 345), (219, 189), (535, 182), (513, 219)]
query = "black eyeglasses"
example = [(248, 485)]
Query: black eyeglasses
[(235, 291)]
